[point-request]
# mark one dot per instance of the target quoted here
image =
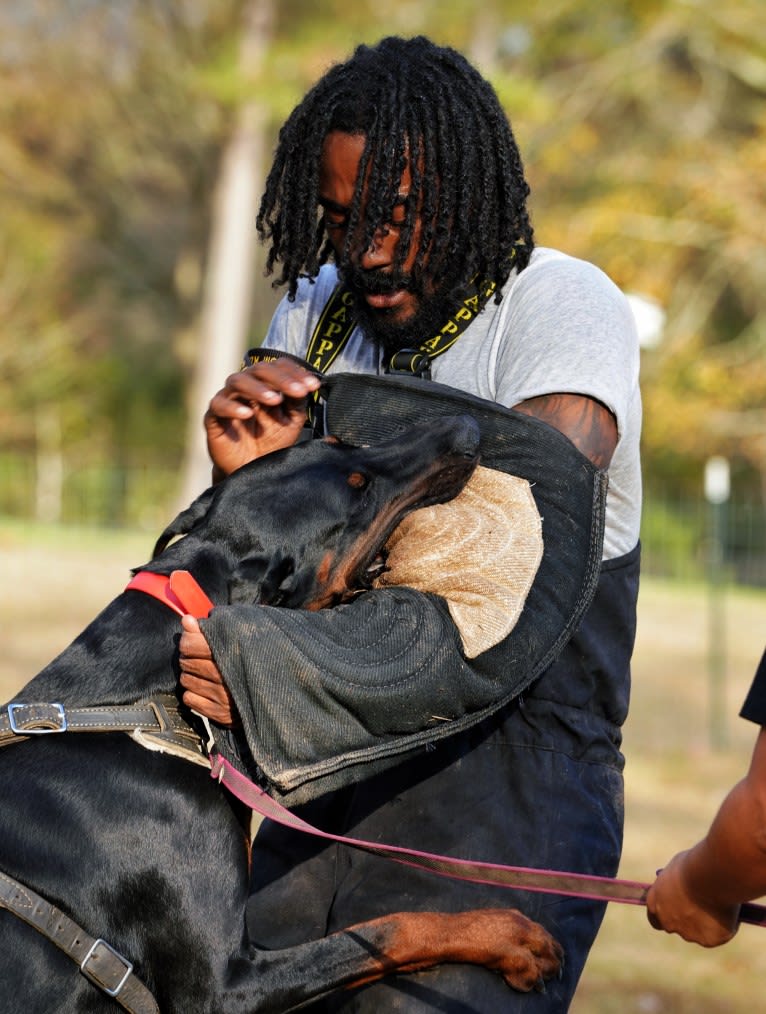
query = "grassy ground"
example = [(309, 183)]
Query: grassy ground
[(674, 783), (55, 581)]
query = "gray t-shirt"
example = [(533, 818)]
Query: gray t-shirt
[(562, 327)]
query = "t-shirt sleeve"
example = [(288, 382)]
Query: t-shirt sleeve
[(754, 708), (293, 321), (277, 335), (569, 330)]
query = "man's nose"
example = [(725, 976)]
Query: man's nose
[(379, 251)]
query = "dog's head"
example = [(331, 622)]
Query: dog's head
[(306, 527)]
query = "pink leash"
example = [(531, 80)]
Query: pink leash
[(577, 885), (182, 593)]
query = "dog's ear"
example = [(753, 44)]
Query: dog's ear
[(185, 521), (267, 579)]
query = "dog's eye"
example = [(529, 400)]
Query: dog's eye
[(357, 480)]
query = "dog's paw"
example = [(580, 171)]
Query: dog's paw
[(521, 950)]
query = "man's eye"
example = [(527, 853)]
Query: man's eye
[(335, 220)]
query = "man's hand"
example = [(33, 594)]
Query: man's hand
[(259, 410), (204, 689), (671, 906)]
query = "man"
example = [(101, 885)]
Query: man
[(399, 175), (699, 893)]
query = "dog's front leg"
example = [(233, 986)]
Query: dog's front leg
[(503, 940)]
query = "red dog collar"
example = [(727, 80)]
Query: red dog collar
[(180, 591)]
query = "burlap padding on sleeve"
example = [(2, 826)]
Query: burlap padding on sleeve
[(480, 552)]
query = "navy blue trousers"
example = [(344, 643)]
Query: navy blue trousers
[(537, 784)]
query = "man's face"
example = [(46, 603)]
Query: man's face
[(387, 306)]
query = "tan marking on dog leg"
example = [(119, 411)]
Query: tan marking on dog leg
[(503, 940)]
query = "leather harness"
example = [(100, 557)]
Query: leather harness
[(158, 724), (100, 963)]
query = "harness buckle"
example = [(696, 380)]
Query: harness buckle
[(99, 977), (51, 714), (410, 361)]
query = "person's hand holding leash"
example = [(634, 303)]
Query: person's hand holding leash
[(672, 905), (203, 684), (699, 893), (259, 410)]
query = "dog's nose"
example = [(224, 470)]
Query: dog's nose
[(465, 434)]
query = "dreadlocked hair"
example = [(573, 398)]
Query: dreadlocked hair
[(419, 104)]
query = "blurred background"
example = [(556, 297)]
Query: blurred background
[(134, 138)]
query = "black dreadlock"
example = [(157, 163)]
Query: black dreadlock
[(406, 96)]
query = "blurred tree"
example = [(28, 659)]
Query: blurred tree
[(646, 149), (228, 289), (106, 191), (642, 124)]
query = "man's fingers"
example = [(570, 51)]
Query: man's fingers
[(201, 669), (204, 689), (285, 376), (192, 646), (221, 714), (190, 623), (263, 384), (209, 699)]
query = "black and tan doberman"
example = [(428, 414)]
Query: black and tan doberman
[(107, 845)]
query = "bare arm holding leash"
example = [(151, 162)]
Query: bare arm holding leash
[(699, 893)]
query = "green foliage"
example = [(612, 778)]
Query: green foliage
[(672, 538), (642, 122), (646, 151)]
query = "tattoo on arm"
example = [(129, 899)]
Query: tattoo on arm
[(586, 422)]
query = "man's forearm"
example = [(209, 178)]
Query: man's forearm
[(729, 865)]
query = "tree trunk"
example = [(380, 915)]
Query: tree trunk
[(228, 285), (49, 464)]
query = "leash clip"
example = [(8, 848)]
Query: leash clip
[(208, 746), (55, 714), (217, 771)]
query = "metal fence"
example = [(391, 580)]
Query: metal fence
[(682, 538), (689, 539)]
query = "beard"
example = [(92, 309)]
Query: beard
[(381, 327)]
